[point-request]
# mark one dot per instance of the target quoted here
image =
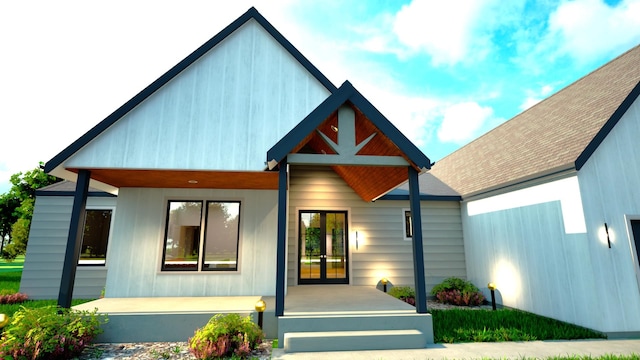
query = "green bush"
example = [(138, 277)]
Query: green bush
[(49, 333), (404, 293), (457, 292), (226, 335)]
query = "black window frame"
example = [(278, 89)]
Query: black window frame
[(81, 262)]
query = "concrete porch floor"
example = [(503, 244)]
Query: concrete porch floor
[(176, 318), (337, 299)]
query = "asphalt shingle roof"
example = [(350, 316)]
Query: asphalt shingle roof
[(548, 137)]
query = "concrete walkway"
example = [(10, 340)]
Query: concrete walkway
[(503, 350)]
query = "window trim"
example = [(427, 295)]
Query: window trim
[(201, 245), (406, 231), (109, 237)]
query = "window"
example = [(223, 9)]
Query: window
[(408, 227), (95, 237), (183, 247)]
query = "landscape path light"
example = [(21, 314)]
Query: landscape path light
[(384, 282), (4, 320), (492, 287), (261, 306)]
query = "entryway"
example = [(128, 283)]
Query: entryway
[(323, 245)]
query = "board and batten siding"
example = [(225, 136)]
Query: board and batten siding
[(230, 107), (44, 260), (610, 187), (382, 250), (138, 237)]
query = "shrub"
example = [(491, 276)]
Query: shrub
[(49, 333), (226, 335), (404, 293), (457, 292), (13, 298)]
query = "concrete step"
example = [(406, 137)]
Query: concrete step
[(354, 340)]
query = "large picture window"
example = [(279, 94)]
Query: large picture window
[(95, 237), (202, 239)]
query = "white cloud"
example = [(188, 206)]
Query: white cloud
[(529, 102), (587, 29), (452, 32), (535, 96), (462, 122)]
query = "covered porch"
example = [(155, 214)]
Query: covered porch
[(350, 317)]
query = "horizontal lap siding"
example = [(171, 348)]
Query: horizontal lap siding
[(44, 260), (382, 250), (136, 255)]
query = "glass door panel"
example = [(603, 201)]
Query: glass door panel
[(323, 247)]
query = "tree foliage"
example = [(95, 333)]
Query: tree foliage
[(16, 209)]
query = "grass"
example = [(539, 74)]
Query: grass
[(12, 266), (459, 325)]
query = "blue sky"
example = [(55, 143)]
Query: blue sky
[(444, 72)]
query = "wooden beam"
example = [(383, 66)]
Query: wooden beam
[(74, 240), (337, 159), (418, 254), (281, 248)]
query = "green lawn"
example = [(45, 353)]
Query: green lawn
[(10, 266)]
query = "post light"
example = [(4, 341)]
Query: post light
[(384, 282), (261, 306), (492, 287), (4, 320)]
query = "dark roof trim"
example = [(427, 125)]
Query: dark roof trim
[(422, 197), (345, 93), (608, 126), (72, 193), (252, 13)]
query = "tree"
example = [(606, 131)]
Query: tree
[(16, 209)]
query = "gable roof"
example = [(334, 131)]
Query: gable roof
[(369, 182), (431, 188), (252, 13), (558, 134)]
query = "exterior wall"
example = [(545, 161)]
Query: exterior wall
[(382, 250), (610, 184), (222, 106), (138, 237), (542, 267), (47, 244)]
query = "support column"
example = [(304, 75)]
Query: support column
[(418, 254), (281, 250), (74, 240)]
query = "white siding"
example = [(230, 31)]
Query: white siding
[(541, 268), (382, 250), (138, 236), (223, 112), (610, 184), (47, 244)]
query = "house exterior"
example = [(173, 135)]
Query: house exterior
[(243, 171), (550, 202)]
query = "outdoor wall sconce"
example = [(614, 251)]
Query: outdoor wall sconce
[(261, 306), (492, 287), (356, 240), (606, 230), (4, 320), (384, 282)]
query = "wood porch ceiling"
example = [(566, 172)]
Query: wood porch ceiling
[(258, 180), (369, 182)]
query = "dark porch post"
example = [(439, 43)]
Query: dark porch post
[(282, 233), (74, 240), (418, 255)]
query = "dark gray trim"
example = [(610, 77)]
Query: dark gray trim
[(416, 240), (607, 127), (422, 197), (71, 193), (281, 248), (252, 13), (345, 93), (74, 240)]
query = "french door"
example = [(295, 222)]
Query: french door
[(323, 247)]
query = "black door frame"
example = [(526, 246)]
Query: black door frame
[(323, 280)]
